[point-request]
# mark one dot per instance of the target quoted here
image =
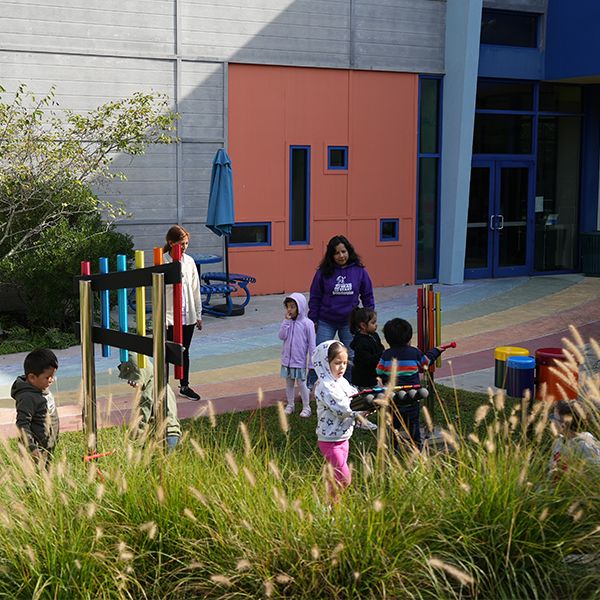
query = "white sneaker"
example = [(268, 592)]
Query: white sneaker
[(305, 412), (289, 409)]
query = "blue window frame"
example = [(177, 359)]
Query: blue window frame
[(299, 195), (337, 158), (250, 234), (389, 230)]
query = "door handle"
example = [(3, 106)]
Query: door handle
[(492, 222), (501, 222)]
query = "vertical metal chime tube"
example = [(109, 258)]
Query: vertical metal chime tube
[(105, 307), (425, 318), (159, 355), (438, 325), (122, 304), (176, 253), (88, 374), (140, 306)]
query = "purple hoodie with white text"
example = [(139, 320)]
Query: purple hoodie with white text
[(298, 336), (333, 298)]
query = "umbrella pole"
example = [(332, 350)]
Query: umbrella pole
[(226, 258)]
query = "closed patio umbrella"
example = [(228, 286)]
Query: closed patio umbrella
[(220, 215)]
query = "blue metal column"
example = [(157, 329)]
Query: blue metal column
[(463, 25)]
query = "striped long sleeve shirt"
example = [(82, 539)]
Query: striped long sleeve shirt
[(411, 362)]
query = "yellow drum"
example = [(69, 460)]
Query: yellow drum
[(501, 355)]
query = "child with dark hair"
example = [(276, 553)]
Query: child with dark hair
[(340, 284), (297, 332), (573, 441), (37, 417), (367, 348), (410, 363), (335, 418)]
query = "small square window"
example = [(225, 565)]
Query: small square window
[(337, 158), (250, 234), (388, 231)]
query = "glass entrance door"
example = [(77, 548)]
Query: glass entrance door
[(499, 225)]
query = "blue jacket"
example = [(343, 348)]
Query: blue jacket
[(333, 298), (298, 337)]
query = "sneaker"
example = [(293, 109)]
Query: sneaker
[(289, 409), (187, 392), (305, 412)]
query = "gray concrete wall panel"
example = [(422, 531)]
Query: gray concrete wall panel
[(302, 32), (196, 172), (404, 35), (110, 26), (84, 82), (201, 101)]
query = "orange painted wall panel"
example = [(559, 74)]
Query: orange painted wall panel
[(375, 115)]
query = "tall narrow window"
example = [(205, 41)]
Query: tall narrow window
[(428, 181), (299, 194)]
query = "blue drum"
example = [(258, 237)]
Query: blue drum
[(520, 376)]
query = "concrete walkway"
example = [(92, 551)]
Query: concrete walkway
[(234, 357)]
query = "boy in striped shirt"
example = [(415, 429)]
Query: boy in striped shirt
[(411, 362)]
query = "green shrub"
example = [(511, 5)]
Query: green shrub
[(44, 276), (17, 338)]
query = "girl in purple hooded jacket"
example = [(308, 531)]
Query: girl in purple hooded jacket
[(298, 334)]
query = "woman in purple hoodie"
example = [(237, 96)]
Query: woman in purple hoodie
[(340, 284), (298, 334)]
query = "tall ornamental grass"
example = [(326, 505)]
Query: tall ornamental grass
[(239, 511)]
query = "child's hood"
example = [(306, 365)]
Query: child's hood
[(301, 303), (340, 388), (22, 386), (320, 362)]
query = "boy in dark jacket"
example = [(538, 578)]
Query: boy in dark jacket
[(411, 362), (37, 417)]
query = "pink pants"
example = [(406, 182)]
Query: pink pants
[(336, 454)]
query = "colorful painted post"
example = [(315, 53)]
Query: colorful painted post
[(158, 256), (430, 318), (420, 318), (105, 307), (88, 375), (438, 325), (140, 306), (177, 310), (86, 268), (122, 305)]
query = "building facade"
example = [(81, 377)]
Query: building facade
[(446, 139)]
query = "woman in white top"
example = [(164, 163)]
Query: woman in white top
[(191, 302)]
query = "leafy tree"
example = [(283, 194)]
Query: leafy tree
[(48, 159), (49, 216), (44, 275)]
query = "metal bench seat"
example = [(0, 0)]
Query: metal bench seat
[(236, 279)]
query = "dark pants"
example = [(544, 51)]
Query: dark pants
[(406, 421), (188, 333), (327, 331)]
